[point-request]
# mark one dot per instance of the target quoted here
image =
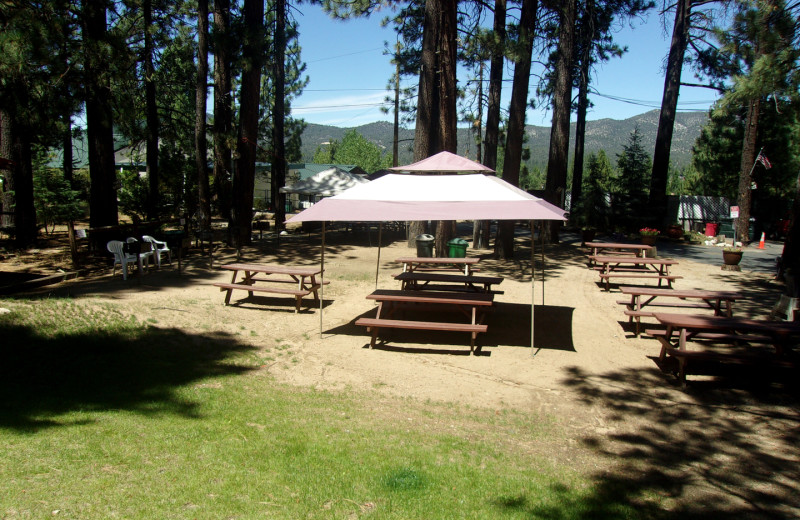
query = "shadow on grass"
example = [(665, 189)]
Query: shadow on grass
[(42, 377)]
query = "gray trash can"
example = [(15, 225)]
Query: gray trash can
[(424, 245)]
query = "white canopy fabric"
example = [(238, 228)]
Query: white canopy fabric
[(326, 183), (395, 197)]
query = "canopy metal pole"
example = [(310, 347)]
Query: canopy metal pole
[(378, 266), (322, 278), (541, 236), (533, 285)]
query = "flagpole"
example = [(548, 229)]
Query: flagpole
[(750, 182)]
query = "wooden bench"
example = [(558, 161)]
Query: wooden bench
[(375, 324), (409, 280), (606, 277), (683, 356), (646, 301), (297, 293), (473, 305), (303, 278)]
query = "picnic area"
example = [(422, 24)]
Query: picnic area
[(590, 407)]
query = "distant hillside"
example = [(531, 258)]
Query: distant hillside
[(604, 134)]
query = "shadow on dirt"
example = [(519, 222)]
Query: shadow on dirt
[(721, 447)]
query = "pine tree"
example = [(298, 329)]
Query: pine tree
[(629, 188)]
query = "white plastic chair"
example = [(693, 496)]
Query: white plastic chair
[(145, 252), (122, 258), (158, 248)]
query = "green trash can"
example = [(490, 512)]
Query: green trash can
[(457, 248), (424, 245)]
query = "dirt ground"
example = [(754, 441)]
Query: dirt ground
[(726, 443)]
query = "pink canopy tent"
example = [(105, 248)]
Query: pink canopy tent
[(444, 162), (396, 197)]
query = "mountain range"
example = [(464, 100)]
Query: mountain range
[(603, 134)]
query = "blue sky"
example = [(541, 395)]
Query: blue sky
[(348, 72)]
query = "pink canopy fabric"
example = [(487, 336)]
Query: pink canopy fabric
[(396, 197), (444, 162)]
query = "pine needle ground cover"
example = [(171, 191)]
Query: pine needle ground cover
[(102, 416)]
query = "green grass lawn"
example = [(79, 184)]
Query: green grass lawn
[(105, 417)]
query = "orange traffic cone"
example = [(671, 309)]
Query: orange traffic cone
[(761, 242)]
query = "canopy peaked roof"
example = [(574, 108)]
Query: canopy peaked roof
[(444, 162), (326, 183), (396, 197)]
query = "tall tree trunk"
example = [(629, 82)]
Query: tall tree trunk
[(153, 123), (279, 163), (493, 108), (223, 115), (24, 209), (244, 176), (201, 94), (17, 196), (99, 119), (666, 120), (445, 230), (587, 40), (396, 125), (6, 170), (66, 144), (478, 126), (746, 169), (556, 184), (425, 134), (504, 245), (790, 259)]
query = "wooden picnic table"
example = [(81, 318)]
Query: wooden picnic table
[(413, 263), (635, 267), (736, 335), (304, 280), (421, 280), (616, 249), (472, 305), (642, 297)]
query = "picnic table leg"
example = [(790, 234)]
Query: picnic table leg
[(230, 291), (665, 341)]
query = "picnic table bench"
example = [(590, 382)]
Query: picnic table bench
[(473, 305), (635, 267), (421, 280), (735, 336), (642, 297), (413, 263), (616, 249), (303, 279)]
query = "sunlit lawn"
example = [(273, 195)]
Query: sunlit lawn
[(104, 417)]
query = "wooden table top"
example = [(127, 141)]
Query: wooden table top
[(603, 259), (455, 298), (274, 269), (678, 293), (612, 245), (426, 276), (469, 260), (701, 322)]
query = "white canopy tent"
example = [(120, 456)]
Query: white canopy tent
[(326, 183), (395, 197)]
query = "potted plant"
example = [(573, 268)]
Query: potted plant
[(675, 231), (732, 255), (648, 235)]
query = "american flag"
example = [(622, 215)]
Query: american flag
[(763, 160)]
